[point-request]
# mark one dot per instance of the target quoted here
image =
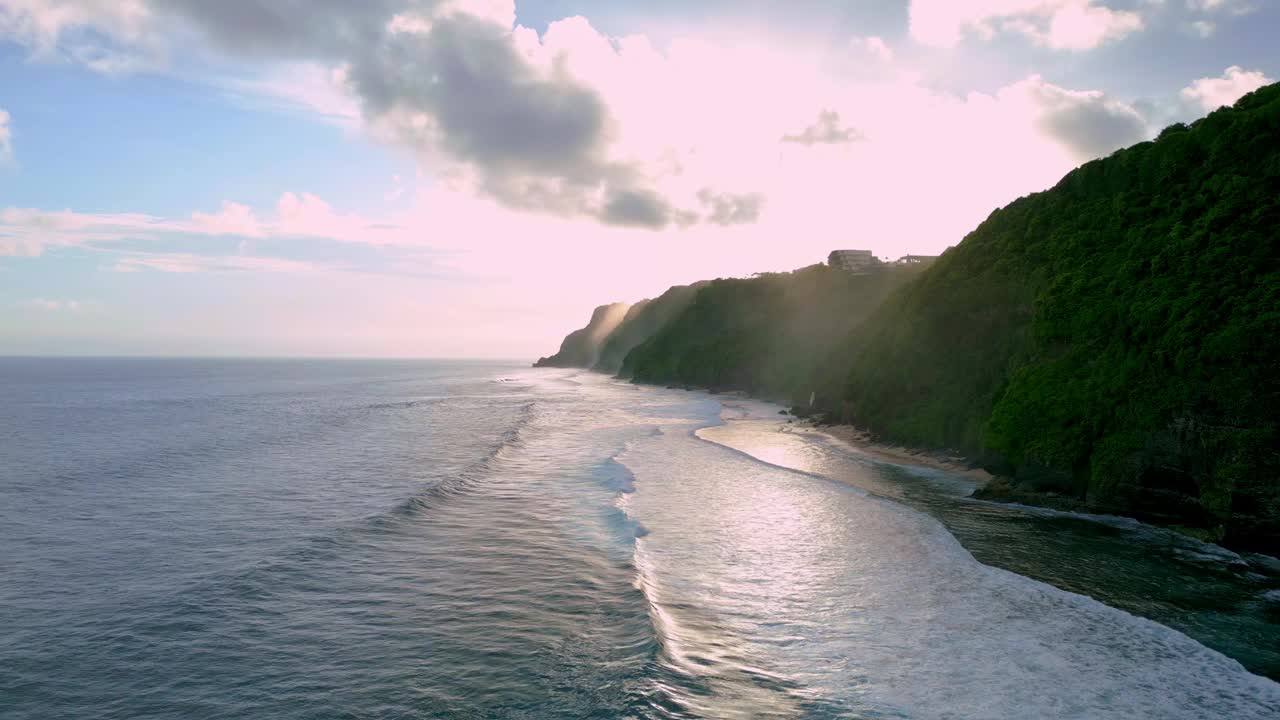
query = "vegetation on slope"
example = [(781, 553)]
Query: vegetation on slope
[(1116, 338), (765, 335), (581, 347), (642, 321)]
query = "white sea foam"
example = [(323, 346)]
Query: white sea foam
[(877, 608)]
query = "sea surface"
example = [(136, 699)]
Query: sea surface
[(396, 539)]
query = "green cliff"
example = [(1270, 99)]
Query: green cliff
[(1115, 339), (581, 348), (765, 335), (643, 321)]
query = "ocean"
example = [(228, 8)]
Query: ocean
[(430, 539)]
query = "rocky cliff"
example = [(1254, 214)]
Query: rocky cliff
[(581, 348)]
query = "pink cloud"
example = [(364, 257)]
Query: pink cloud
[(1058, 24), (1213, 93)]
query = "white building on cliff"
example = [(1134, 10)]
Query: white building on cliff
[(854, 261)]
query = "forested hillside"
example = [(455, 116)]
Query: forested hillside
[(765, 335), (1115, 338), (641, 322), (581, 348)]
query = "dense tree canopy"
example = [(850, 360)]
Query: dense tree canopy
[(766, 335), (643, 320), (1116, 337)]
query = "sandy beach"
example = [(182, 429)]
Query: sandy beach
[(862, 441)]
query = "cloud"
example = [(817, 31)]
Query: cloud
[(735, 195), (589, 129), (177, 262), (293, 29), (476, 98), (727, 209), (28, 232), (233, 219), (6, 137), (919, 143), (874, 47), (736, 139), (1089, 123), (1056, 24), (109, 37), (532, 137), (1231, 7), (53, 305), (827, 131), (637, 208), (310, 87), (1213, 93)]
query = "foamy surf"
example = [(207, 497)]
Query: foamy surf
[(878, 609)]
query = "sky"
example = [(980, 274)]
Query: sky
[(469, 178)]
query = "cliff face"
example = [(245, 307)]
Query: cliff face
[(766, 335), (581, 348), (1114, 339), (642, 322)]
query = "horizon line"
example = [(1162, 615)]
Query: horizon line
[(125, 356)]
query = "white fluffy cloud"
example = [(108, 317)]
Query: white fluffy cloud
[(233, 219), (579, 124), (73, 30), (1213, 93), (454, 80), (41, 23), (1057, 24)]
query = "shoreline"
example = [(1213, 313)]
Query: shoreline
[(862, 441), (992, 488)]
